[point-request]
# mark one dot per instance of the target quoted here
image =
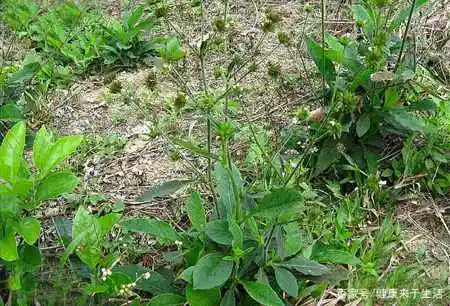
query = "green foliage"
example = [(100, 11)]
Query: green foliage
[(22, 190)]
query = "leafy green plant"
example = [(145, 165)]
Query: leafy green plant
[(366, 100), (23, 190)]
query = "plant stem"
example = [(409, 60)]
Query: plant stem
[(405, 34), (322, 13)]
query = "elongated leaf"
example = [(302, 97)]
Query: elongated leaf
[(11, 152), (236, 232), (87, 235), (55, 185), (225, 189), (10, 112), (327, 156), (218, 231), (275, 202), (327, 254), (286, 280), (60, 150), (162, 190), (408, 121), (8, 245), (160, 229), (29, 228), (196, 211), (193, 148), (262, 293), (322, 62), (209, 297), (167, 299), (211, 271), (106, 222), (303, 265), (42, 143), (363, 125)]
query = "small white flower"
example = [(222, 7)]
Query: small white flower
[(103, 278), (178, 243), (89, 208), (382, 183), (124, 245), (147, 275), (121, 292)]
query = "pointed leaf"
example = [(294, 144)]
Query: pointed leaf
[(42, 143), (327, 254), (327, 156), (29, 228), (59, 151), (11, 152), (218, 231), (229, 298), (286, 280), (363, 125), (160, 229), (55, 185), (275, 202), (162, 190), (196, 212), (303, 265), (322, 62), (211, 271), (262, 293)]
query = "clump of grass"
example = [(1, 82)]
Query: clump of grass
[(115, 87), (151, 80)]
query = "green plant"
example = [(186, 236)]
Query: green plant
[(123, 44), (22, 191), (365, 102)]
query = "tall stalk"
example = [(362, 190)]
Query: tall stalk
[(405, 34), (322, 13)]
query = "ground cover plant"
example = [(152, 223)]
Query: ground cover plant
[(224, 153)]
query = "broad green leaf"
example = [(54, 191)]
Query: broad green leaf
[(106, 222), (327, 156), (336, 51), (325, 254), (11, 152), (59, 151), (363, 125), (172, 51), (293, 240), (303, 265), (30, 257), (11, 112), (225, 180), (218, 231), (408, 121), (391, 97), (167, 299), (8, 245), (363, 17), (55, 185), (229, 298), (188, 275), (209, 297), (160, 229), (29, 228), (322, 62), (162, 190), (262, 293), (286, 280), (196, 212), (211, 271), (276, 202), (87, 235), (424, 105), (42, 143)]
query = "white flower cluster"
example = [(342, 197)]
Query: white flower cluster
[(105, 273), (127, 289)]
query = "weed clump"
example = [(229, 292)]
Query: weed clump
[(115, 87)]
